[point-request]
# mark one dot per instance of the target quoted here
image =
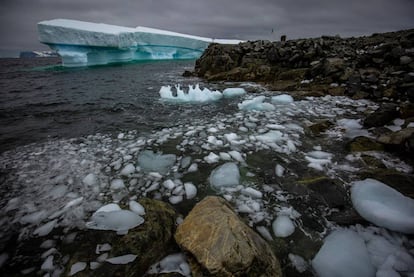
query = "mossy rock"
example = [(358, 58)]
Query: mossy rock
[(150, 241), (373, 162), (361, 144), (321, 126)]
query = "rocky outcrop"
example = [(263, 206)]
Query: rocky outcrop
[(222, 244), (149, 241), (381, 65)]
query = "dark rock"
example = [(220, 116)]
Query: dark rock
[(150, 241), (320, 126), (331, 191), (384, 115), (360, 144), (346, 217), (187, 73)]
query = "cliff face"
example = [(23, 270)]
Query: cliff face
[(378, 66)]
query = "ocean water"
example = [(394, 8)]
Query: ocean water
[(74, 140), (40, 100)]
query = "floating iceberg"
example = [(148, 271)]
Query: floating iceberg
[(82, 43), (194, 94)]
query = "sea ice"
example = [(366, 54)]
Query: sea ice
[(383, 205), (120, 221), (282, 99), (343, 254), (172, 263), (124, 259), (279, 170), (48, 264), (193, 95), (190, 190), (136, 207), (211, 158), (45, 229), (150, 161), (117, 184), (283, 226), (226, 175), (128, 170), (233, 92), (264, 233), (257, 103), (77, 267), (298, 262)]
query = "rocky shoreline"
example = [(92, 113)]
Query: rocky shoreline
[(378, 67)]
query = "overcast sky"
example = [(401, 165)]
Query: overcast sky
[(242, 19)]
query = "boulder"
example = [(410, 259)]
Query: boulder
[(222, 244), (382, 116), (397, 138), (360, 144)]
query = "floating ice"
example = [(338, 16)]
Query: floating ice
[(383, 205), (283, 226), (252, 193), (172, 263), (211, 158), (233, 92), (282, 99), (105, 247), (90, 180), (353, 127), (193, 95), (45, 229), (257, 103), (48, 264), (279, 170), (318, 159), (264, 232), (136, 207), (109, 208), (117, 184), (77, 267), (149, 161), (226, 175), (190, 190), (120, 221), (84, 43), (343, 254), (128, 170), (298, 262), (270, 137), (124, 259)]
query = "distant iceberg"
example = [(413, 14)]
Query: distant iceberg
[(82, 43)]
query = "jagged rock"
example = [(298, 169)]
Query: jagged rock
[(150, 241), (222, 244)]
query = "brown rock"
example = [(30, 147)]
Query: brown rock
[(222, 244), (397, 138)]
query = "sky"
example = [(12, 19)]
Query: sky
[(239, 19)]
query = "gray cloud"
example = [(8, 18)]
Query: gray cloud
[(243, 19)]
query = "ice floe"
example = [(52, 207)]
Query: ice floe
[(383, 205)]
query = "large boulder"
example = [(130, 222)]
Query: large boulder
[(222, 244), (150, 242)]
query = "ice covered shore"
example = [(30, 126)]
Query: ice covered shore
[(82, 43)]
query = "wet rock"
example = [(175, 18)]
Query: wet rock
[(150, 241), (382, 116), (320, 126), (333, 193), (360, 144), (222, 244), (400, 140), (346, 217)]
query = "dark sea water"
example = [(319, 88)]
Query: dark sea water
[(39, 99)]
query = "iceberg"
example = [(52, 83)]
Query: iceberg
[(82, 43)]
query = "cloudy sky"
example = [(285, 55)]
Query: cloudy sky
[(242, 19)]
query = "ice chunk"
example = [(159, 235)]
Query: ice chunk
[(252, 193), (102, 248), (47, 265), (169, 184), (236, 156), (128, 170), (298, 262), (233, 92), (193, 167), (353, 127), (211, 158), (343, 254), (149, 161), (194, 94), (172, 263), (117, 184), (264, 232), (190, 190), (283, 226), (226, 175), (45, 229), (34, 218), (120, 221), (270, 137), (136, 207), (109, 208), (175, 199), (279, 170), (383, 205), (77, 267), (125, 259), (90, 180), (282, 99), (257, 104)]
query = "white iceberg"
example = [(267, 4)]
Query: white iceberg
[(156, 162), (226, 175), (383, 205), (82, 43)]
